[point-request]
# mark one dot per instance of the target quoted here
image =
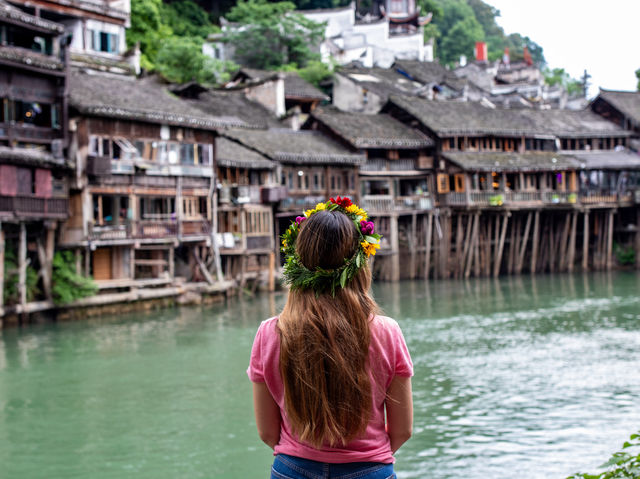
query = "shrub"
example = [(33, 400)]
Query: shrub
[(623, 464), (67, 285)]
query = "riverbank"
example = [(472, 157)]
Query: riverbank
[(128, 298)]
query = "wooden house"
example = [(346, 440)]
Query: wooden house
[(509, 184), (396, 183), (95, 31), (620, 107), (33, 138), (141, 209), (311, 167)]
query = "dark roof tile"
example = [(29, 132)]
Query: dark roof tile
[(371, 131), (299, 147), (627, 102)]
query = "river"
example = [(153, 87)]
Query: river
[(532, 377)]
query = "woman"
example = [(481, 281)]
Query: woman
[(325, 371)]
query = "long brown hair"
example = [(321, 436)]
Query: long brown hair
[(324, 340)]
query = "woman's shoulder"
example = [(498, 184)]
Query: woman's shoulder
[(385, 326), (268, 325)]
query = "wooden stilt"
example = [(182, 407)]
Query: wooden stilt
[(515, 226), (202, 266), (535, 241), (413, 245), (465, 256), (395, 249), (172, 263), (472, 244), (427, 254), (2, 245), (271, 279), (458, 252), (610, 240), (585, 242), (523, 245), (571, 256), (552, 245), (638, 239), (564, 242), (22, 265), (503, 235), (476, 247)]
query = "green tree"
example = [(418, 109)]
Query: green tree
[(148, 29), (638, 77), (11, 294), (461, 40), (67, 285), (558, 76), (180, 59), (270, 35), (187, 18)]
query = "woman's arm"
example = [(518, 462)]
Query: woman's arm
[(399, 406), (267, 415)]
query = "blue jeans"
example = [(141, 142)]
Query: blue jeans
[(290, 467)]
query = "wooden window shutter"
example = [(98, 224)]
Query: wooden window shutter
[(459, 182), (443, 183)]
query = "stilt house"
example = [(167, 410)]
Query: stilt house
[(33, 169)]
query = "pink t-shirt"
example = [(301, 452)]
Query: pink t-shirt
[(388, 357)]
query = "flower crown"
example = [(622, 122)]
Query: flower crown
[(327, 280)]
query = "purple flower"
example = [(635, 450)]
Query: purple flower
[(300, 219), (366, 227)]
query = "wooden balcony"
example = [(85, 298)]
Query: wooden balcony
[(109, 232), (28, 133), (599, 197), (32, 207), (154, 229), (559, 197), (200, 227), (380, 204)]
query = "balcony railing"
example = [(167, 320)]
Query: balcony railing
[(28, 133), (109, 232), (155, 229), (387, 203), (559, 197), (599, 196), (30, 206), (196, 228)]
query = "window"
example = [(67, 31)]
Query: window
[(443, 183), (459, 182), (104, 42), (187, 155)]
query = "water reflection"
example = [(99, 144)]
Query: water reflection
[(533, 376)]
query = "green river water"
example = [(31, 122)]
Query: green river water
[(519, 377)]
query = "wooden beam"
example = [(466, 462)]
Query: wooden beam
[(585, 241), (571, 256), (202, 267), (610, 240), (271, 279), (638, 239), (503, 235), (395, 253), (473, 250), (413, 241), (427, 253), (535, 242), (22, 265), (523, 246)]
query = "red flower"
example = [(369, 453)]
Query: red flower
[(343, 202)]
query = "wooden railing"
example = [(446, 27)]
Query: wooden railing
[(598, 197), (196, 227), (155, 229), (387, 203), (35, 207), (109, 232), (29, 132), (559, 197)]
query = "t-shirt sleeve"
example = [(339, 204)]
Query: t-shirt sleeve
[(255, 371), (403, 363)]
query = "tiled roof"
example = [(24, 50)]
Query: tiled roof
[(512, 161), (294, 85), (607, 159), (299, 147), (371, 131), (380, 81), (31, 59), (626, 102), (230, 153), (448, 118), (430, 72), (146, 100), (29, 155), (233, 103), (297, 88), (15, 15)]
